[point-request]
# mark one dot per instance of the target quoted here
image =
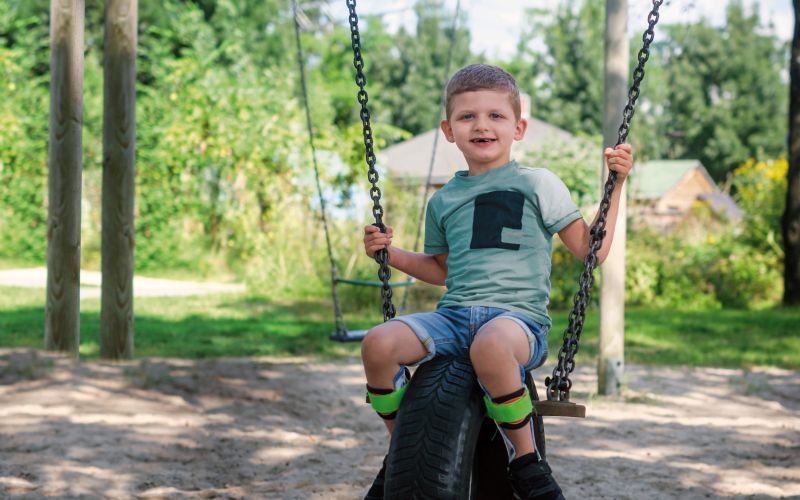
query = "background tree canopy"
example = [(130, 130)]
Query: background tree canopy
[(223, 166)]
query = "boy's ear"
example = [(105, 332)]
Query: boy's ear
[(448, 131), (522, 126)]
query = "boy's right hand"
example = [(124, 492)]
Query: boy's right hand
[(375, 240)]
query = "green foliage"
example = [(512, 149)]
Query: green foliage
[(212, 150), (577, 163), (744, 278), (23, 135), (565, 78), (708, 263), (720, 271), (716, 94), (565, 277), (760, 191), (224, 179), (408, 68), (726, 98)]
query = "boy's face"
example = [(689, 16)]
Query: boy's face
[(483, 126)]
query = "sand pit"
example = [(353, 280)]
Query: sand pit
[(299, 429)]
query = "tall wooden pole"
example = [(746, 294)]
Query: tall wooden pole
[(611, 359), (62, 310), (119, 160)]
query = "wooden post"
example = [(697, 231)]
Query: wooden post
[(62, 310), (119, 159), (611, 359)]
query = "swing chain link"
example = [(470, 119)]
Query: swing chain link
[(382, 256), (559, 385)]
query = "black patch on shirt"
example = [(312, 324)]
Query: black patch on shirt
[(493, 212)]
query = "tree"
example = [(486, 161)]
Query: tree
[(416, 64), (791, 215), (725, 100), (566, 78)]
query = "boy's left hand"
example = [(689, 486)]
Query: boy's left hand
[(620, 160)]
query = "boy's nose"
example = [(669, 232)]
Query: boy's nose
[(479, 124)]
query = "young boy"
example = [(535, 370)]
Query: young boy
[(488, 238)]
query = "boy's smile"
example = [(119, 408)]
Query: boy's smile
[(484, 126)]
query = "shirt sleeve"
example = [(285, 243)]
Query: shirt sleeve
[(435, 241), (555, 203)]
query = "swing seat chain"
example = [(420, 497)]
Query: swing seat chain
[(382, 256)]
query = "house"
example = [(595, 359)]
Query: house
[(409, 161), (662, 193)]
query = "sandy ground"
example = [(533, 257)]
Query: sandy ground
[(90, 282), (299, 429)]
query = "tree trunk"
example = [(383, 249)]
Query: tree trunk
[(62, 310), (791, 215), (119, 159)]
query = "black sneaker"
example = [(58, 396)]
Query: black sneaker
[(376, 490), (532, 479)]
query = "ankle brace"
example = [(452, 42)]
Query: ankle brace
[(386, 402)]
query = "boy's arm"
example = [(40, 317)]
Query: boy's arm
[(576, 236), (429, 268)]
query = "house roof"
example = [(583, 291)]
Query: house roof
[(653, 179), (411, 159), (721, 203)]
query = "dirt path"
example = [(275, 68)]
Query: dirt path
[(299, 429), (90, 282)]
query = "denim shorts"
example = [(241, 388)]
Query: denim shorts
[(449, 331)]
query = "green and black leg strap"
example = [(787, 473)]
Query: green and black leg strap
[(386, 401), (512, 411)]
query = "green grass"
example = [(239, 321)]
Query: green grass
[(9, 263), (242, 325)]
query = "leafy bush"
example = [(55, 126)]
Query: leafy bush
[(760, 191), (745, 278), (23, 138), (721, 271)]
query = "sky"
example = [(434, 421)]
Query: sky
[(495, 31)]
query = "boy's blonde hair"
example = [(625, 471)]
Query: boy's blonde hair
[(482, 77)]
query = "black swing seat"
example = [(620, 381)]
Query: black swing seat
[(393, 284), (345, 335), (349, 335)]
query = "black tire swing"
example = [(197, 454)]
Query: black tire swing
[(443, 446)]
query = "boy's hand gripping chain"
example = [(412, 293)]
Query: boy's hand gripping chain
[(559, 385), (382, 256)]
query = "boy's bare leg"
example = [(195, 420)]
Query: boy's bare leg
[(385, 348), (497, 352)]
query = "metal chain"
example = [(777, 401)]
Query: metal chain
[(559, 385), (382, 256), (337, 311)]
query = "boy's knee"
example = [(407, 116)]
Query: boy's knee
[(487, 343), (378, 344)]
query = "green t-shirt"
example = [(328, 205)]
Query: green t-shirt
[(497, 229)]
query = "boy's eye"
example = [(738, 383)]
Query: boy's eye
[(466, 116), (495, 115)]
